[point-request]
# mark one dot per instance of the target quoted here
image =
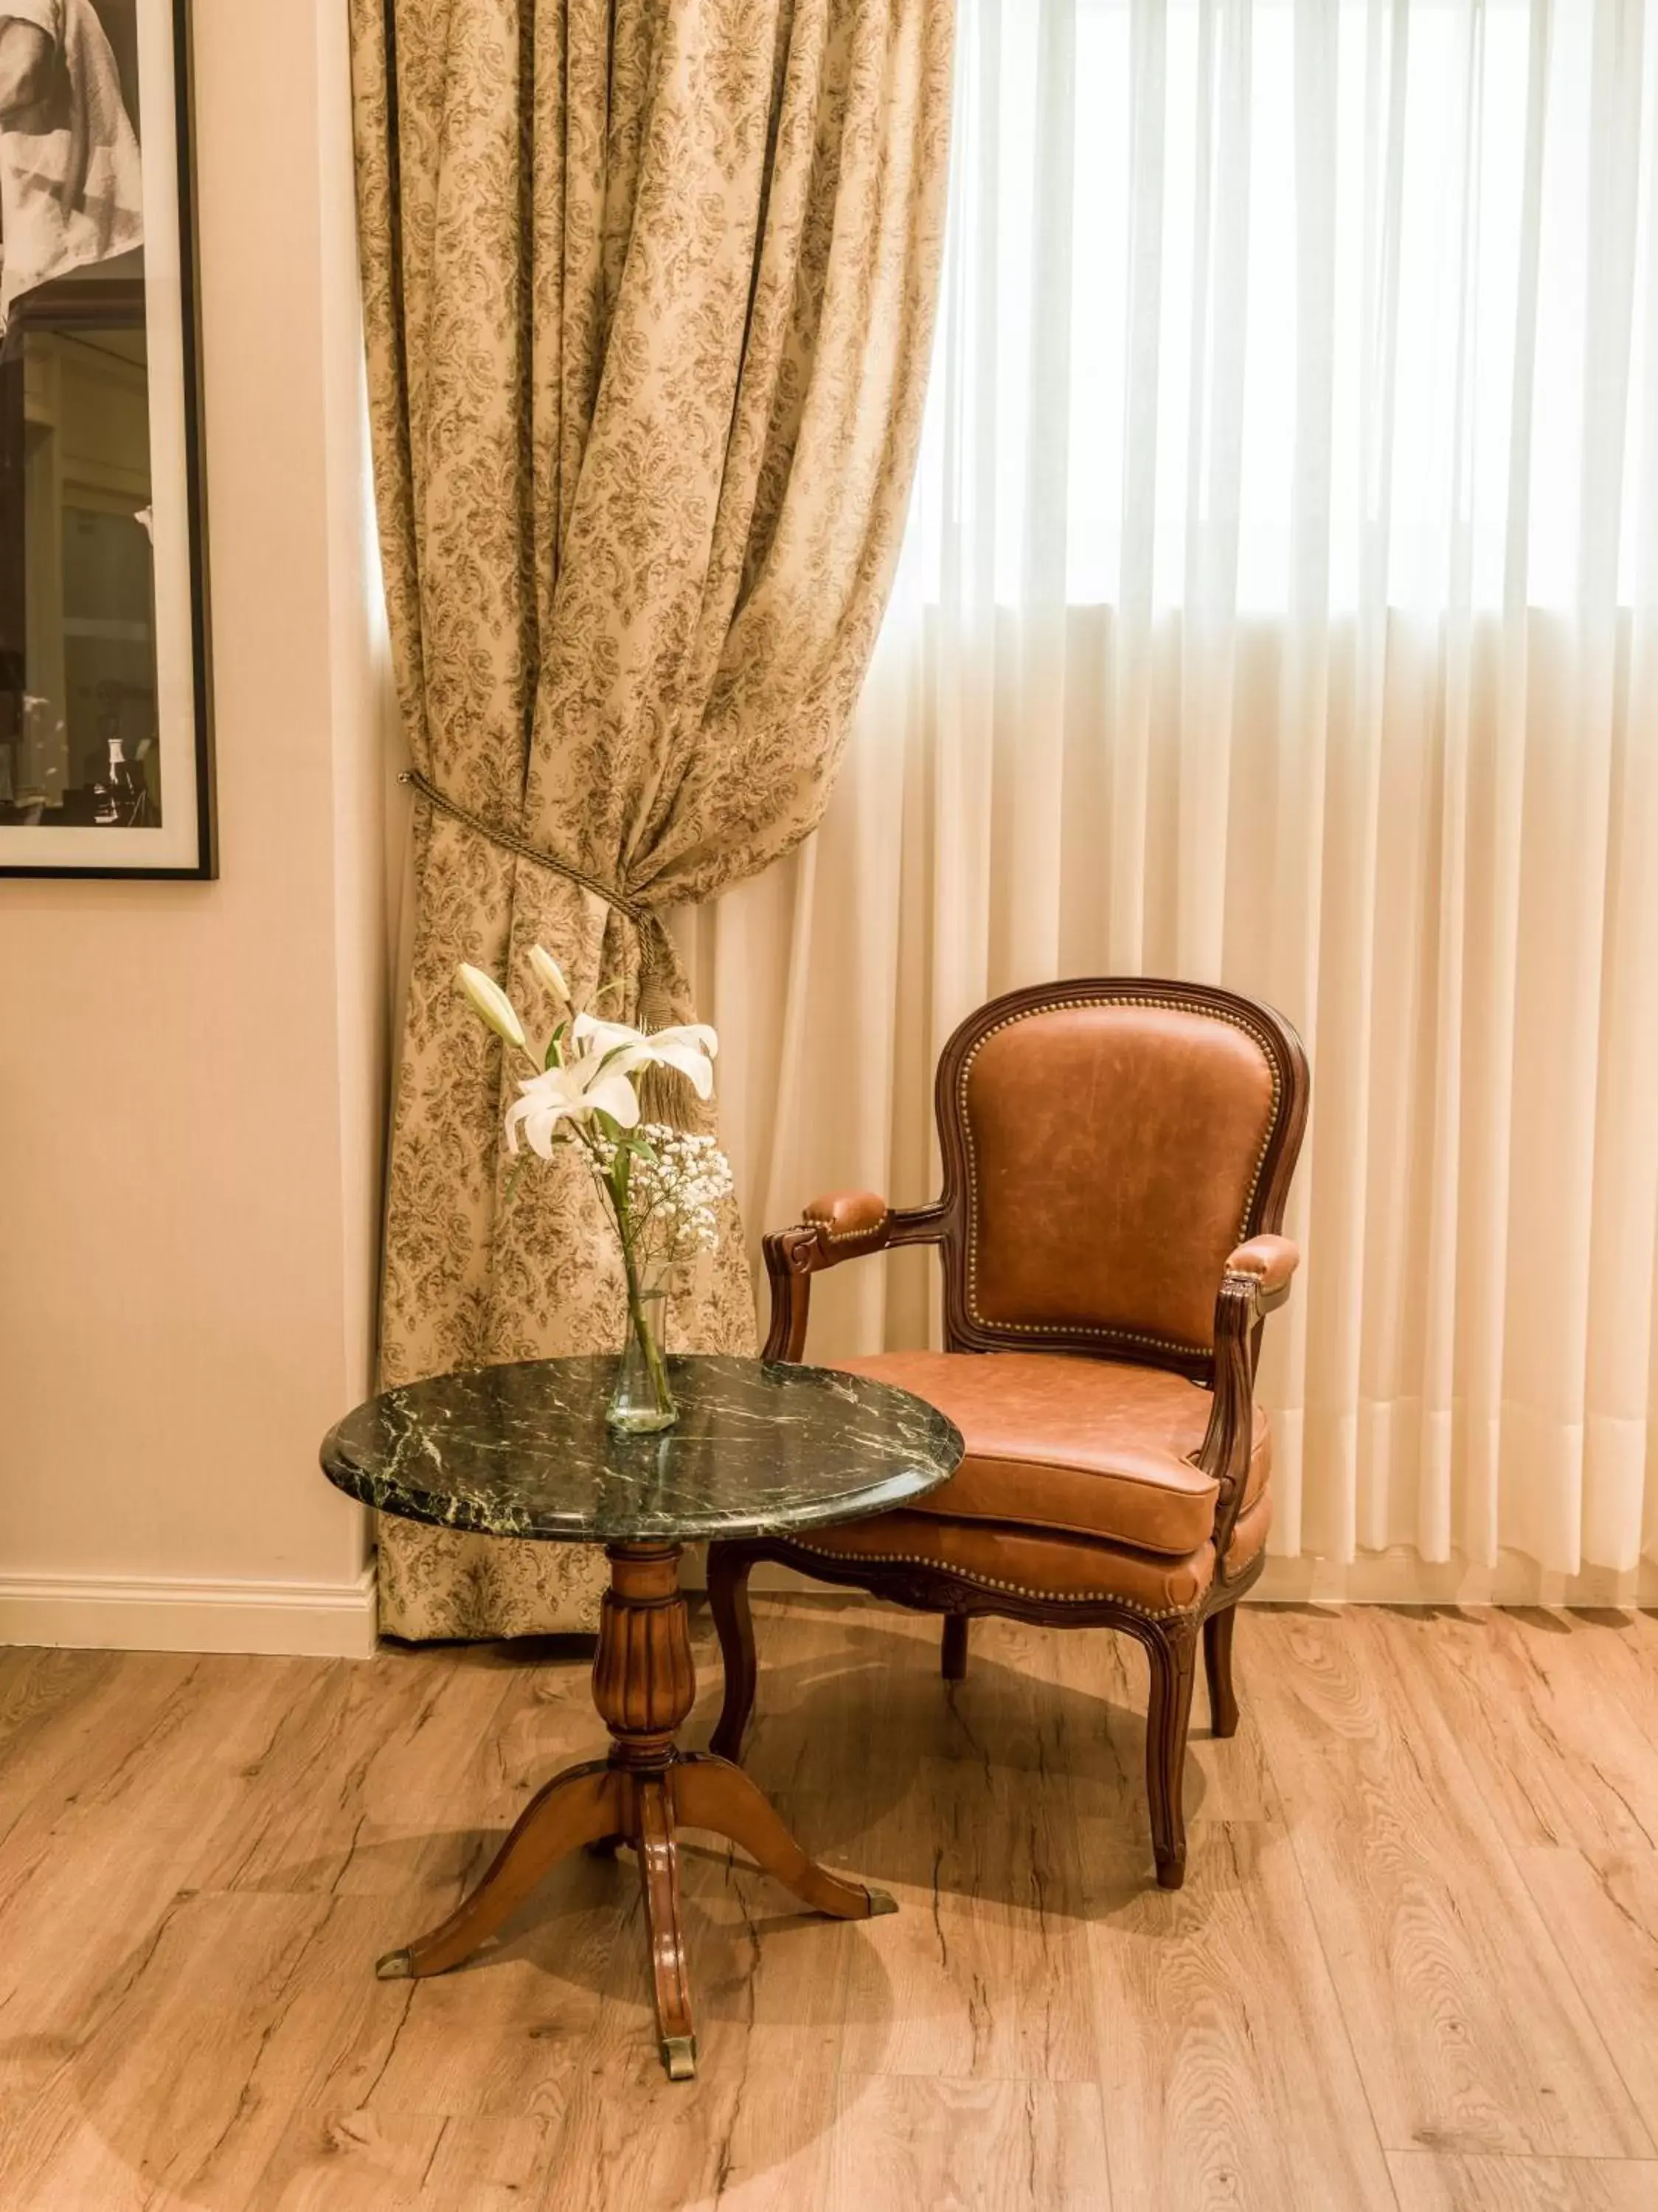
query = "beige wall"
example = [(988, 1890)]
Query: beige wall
[(190, 1075)]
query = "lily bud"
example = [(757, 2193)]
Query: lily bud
[(490, 1001), (550, 972)]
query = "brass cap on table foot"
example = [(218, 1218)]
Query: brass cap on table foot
[(679, 2057), (879, 1901), (395, 1966)]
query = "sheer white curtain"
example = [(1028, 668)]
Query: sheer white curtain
[(1278, 608)]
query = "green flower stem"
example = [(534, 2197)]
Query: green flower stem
[(655, 1362), (616, 1189)]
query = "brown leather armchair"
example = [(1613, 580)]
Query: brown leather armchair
[(1117, 1156)]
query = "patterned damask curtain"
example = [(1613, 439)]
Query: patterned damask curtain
[(648, 288)]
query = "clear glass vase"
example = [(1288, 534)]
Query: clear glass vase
[(642, 1400)]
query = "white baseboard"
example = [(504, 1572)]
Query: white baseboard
[(336, 1620), (1395, 1577), (324, 1621)]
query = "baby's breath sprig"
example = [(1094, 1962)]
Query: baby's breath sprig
[(678, 1183)]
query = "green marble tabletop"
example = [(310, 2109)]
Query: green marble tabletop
[(523, 1450)]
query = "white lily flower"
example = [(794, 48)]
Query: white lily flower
[(550, 972), (490, 1001), (569, 1093), (688, 1048)]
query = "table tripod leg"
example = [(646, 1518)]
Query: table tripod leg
[(575, 1808), (658, 1879), (712, 1793)]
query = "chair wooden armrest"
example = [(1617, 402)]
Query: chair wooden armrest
[(846, 1225), (1257, 1278)]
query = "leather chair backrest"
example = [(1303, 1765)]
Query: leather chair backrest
[(1107, 1142)]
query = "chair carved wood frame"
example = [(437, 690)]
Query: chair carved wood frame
[(1102, 1236)]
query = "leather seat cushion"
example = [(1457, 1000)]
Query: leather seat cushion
[(1092, 1447), (1020, 1563)]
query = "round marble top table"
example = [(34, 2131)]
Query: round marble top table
[(524, 1451)]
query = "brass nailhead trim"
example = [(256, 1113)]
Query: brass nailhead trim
[(1237, 1021), (991, 1582), (843, 1236)]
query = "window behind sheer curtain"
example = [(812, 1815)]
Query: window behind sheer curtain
[(1344, 298), (1280, 608)]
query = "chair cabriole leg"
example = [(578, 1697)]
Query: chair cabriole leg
[(1217, 1667), (1172, 1648), (953, 1657), (728, 1568)]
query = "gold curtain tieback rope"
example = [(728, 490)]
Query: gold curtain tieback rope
[(509, 841)]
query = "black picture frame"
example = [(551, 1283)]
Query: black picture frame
[(201, 864)]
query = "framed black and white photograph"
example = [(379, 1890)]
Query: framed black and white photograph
[(105, 754)]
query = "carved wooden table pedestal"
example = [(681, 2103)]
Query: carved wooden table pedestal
[(523, 1451), (644, 1686)]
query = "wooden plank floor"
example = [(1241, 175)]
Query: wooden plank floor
[(1414, 1967)]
